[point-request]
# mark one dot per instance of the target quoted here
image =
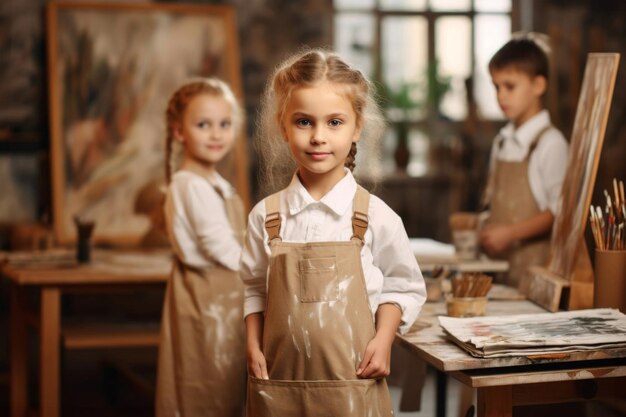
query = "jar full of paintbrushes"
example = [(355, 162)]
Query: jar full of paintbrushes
[(469, 295), (607, 227)]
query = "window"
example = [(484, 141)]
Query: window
[(430, 49)]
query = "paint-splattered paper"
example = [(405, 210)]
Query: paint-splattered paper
[(537, 334)]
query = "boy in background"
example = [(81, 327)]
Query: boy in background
[(528, 160)]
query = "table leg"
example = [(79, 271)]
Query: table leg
[(413, 384), (466, 400), (49, 351), (441, 394), (19, 352), (495, 401)]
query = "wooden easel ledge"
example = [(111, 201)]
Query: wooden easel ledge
[(545, 287)]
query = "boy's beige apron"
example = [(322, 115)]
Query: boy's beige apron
[(202, 356), (512, 201), (317, 325)]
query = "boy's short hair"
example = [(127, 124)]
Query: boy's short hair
[(523, 54)]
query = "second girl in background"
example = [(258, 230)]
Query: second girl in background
[(201, 369)]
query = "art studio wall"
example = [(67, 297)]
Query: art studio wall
[(267, 30)]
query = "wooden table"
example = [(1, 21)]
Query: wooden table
[(502, 383), (50, 280), (429, 263)]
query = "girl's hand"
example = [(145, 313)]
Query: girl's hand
[(496, 238), (376, 362), (256, 364)]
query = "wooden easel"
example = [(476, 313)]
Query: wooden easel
[(567, 281)]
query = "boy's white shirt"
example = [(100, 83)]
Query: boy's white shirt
[(389, 265), (197, 223), (547, 164)]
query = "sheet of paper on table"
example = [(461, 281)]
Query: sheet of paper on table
[(429, 248), (538, 334), (432, 253)]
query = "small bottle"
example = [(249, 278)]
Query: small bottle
[(83, 246)]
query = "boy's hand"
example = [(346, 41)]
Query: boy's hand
[(256, 364), (376, 362), (496, 238)]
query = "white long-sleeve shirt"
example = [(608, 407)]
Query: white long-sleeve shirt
[(197, 223), (547, 164), (389, 266)]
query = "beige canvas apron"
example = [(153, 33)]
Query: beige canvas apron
[(317, 325), (202, 356), (512, 201)]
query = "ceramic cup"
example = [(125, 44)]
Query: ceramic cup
[(466, 306), (466, 244), (609, 289)]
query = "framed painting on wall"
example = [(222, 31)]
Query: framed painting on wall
[(112, 68)]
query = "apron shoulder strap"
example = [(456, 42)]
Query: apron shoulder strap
[(360, 208), (486, 196), (218, 190), (272, 217), (536, 141)]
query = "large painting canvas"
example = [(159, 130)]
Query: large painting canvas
[(112, 68)]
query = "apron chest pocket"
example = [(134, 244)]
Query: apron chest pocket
[(318, 280)]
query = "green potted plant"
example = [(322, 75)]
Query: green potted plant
[(405, 99), (401, 101)]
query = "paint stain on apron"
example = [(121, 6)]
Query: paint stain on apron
[(317, 325), (202, 356)]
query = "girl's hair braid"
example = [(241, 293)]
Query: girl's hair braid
[(177, 105), (351, 159)]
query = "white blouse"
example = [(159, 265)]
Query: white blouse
[(197, 223), (389, 265), (547, 164)]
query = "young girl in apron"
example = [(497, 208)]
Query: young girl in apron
[(201, 370), (328, 269)]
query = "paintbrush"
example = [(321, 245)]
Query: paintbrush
[(471, 285), (616, 193), (595, 227)]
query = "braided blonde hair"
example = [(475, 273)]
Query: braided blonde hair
[(307, 68), (177, 105)]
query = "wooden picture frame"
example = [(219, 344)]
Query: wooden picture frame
[(111, 69), (570, 266)]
